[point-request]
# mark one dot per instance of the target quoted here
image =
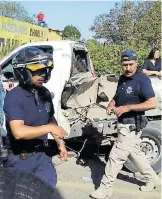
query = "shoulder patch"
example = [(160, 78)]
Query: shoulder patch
[(48, 106)]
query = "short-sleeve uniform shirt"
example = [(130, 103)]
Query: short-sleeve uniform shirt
[(19, 104), (133, 90)]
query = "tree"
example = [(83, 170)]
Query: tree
[(105, 26), (130, 23), (71, 32), (148, 25), (15, 10)]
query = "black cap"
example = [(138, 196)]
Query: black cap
[(128, 55)]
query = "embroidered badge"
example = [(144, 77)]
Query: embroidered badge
[(48, 107), (129, 90)]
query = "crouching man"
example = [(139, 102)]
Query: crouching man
[(134, 95)]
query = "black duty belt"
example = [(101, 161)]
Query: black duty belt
[(24, 155), (28, 149), (127, 120), (140, 122)]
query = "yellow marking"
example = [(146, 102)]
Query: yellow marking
[(35, 67), (50, 63)]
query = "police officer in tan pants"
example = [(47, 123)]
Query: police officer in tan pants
[(134, 95)]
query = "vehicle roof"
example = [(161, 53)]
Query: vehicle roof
[(56, 44), (53, 43)]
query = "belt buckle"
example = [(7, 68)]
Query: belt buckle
[(23, 155), (45, 143)]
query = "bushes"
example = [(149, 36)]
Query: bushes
[(129, 25), (106, 58)]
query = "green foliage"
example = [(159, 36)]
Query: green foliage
[(129, 25), (71, 32), (106, 58), (15, 10)]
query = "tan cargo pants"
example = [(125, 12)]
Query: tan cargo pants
[(126, 146)]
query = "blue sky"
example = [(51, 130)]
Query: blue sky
[(81, 14)]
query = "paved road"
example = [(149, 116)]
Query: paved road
[(71, 184)]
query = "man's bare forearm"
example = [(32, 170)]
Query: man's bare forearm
[(147, 72), (56, 138), (147, 105), (28, 132)]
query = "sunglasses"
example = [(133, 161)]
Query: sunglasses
[(39, 72)]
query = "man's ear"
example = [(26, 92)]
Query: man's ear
[(137, 62)]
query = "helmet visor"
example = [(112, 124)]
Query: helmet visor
[(37, 66)]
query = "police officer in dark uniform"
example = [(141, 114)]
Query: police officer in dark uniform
[(29, 116), (134, 95)]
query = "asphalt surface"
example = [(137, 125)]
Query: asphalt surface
[(77, 182)]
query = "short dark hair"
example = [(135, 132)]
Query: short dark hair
[(152, 52)]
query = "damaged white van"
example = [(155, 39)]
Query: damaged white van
[(80, 98)]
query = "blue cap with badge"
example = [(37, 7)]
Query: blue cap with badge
[(128, 55)]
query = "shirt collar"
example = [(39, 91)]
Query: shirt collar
[(136, 73), (27, 92)]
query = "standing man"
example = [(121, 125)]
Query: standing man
[(29, 116), (40, 18), (134, 95)]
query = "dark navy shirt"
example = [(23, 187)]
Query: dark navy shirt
[(148, 65), (133, 90), (19, 104)]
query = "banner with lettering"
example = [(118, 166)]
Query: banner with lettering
[(16, 32)]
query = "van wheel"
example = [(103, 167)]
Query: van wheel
[(151, 146)]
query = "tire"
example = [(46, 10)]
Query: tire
[(151, 143)]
